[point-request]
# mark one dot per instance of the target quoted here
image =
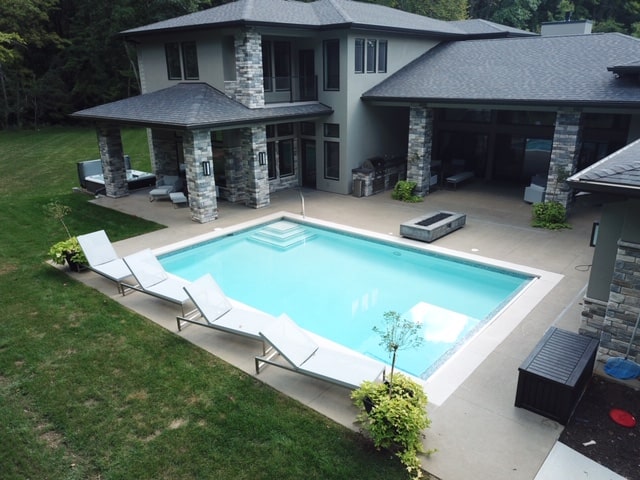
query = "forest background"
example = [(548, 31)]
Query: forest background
[(60, 56)]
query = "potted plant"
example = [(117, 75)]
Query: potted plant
[(68, 250), (394, 412)]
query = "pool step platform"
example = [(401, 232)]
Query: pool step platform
[(283, 235)]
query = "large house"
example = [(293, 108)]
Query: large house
[(251, 97)]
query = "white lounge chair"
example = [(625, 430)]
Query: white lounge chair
[(103, 259), (154, 280), (214, 310), (302, 355)]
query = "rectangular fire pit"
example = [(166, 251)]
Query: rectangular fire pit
[(432, 226)]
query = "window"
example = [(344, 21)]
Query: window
[(267, 71), (282, 65), (285, 157), (332, 64), (280, 150), (332, 130), (172, 52), (371, 56), (382, 56), (182, 59), (359, 56), (190, 60), (332, 160), (308, 129)]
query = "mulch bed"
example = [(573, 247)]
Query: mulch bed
[(616, 447)]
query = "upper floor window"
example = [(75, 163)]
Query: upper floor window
[(276, 65), (370, 55), (382, 56), (190, 61), (332, 64), (359, 56), (182, 61)]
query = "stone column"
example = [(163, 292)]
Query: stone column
[(564, 155), (624, 305), (165, 155), (202, 189), (112, 156), (419, 148), (249, 86), (254, 140)]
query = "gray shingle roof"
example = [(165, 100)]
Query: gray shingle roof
[(194, 105), (617, 173), (290, 13), (558, 70), (477, 26)]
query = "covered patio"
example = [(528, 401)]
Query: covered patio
[(187, 125)]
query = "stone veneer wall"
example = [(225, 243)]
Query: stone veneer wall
[(257, 176), (235, 172), (202, 190), (564, 155), (113, 167), (248, 89), (419, 148), (624, 304), (165, 157)]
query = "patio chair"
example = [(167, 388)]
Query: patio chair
[(154, 280), (166, 185), (215, 310), (302, 355), (103, 259)]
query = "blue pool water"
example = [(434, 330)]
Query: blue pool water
[(339, 286)]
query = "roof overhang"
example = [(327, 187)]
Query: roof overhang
[(192, 106)]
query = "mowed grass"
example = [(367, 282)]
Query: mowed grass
[(91, 390)]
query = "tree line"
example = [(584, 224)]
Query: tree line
[(60, 56)]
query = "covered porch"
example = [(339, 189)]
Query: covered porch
[(187, 125)]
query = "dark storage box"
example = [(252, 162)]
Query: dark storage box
[(555, 374)]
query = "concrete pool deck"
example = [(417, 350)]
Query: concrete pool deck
[(476, 429)]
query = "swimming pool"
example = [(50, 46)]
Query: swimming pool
[(339, 285)]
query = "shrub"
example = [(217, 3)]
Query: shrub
[(68, 249), (550, 215), (403, 191), (395, 419)]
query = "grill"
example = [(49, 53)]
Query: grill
[(379, 168)]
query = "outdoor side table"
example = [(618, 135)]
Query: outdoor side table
[(556, 373)]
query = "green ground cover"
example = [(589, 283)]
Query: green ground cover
[(89, 389)]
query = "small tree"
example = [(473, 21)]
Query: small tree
[(397, 333), (394, 413), (58, 211)]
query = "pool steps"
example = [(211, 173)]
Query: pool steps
[(283, 235)]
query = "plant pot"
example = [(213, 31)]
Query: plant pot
[(368, 404), (73, 266)]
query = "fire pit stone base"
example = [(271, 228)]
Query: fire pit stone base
[(432, 226)]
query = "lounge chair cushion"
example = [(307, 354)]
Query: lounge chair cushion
[(292, 342), (97, 248), (146, 268), (207, 295)]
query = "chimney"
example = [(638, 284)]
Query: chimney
[(567, 27)]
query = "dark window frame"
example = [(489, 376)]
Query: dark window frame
[(172, 57), (358, 66), (331, 62), (372, 48), (190, 68), (382, 56), (331, 162)]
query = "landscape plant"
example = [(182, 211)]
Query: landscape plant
[(393, 412), (403, 191), (550, 215)]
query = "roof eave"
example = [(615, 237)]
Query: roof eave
[(502, 101), (605, 187)]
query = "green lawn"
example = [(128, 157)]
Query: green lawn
[(89, 389)]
